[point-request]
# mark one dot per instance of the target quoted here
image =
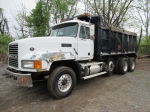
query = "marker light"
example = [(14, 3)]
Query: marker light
[(37, 64), (83, 15)]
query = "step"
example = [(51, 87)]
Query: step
[(94, 75)]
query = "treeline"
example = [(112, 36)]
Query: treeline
[(5, 37), (45, 14), (128, 14)]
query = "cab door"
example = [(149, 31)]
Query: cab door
[(85, 45)]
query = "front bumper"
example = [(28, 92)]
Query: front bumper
[(19, 78)]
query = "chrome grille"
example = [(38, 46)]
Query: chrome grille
[(13, 55)]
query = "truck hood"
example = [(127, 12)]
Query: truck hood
[(43, 39), (44, 45)]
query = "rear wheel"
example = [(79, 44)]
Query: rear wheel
[(123, 66), (61, 82), (131, 64), (110, 66), (117, 66)]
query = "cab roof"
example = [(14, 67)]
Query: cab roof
[(73, 21)]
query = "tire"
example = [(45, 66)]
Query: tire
[(131, 64), (61, 82), (110, 66), (117, 66), (123, 66)]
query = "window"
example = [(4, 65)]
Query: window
[(87, 30), (84, 32), (66, 29)]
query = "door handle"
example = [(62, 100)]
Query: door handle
[(83, 39)]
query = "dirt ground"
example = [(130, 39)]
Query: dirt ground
[(118, 93)]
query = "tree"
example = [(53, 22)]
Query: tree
[(38, 20), (141, 15), (5, 37), (113, 11), (20, 28), (139, 41), (62, 9), (142, 9), (4, 29)]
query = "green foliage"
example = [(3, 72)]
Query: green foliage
[(62, 9), (39, 19), (144, 48), (55, 10), (62, 5), (4, 41)]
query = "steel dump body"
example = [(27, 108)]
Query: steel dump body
[(106, 38), (106, 42)]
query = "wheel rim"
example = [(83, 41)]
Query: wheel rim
[(125, 66), (132, 64), (111, 66), (64, 82)]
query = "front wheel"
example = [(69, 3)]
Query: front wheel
[(61, 82)]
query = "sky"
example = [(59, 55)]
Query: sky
[(11, 6)]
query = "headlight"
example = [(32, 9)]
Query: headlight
[(36, 64), (28, 64)]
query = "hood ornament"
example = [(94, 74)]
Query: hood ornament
[(32, 49)]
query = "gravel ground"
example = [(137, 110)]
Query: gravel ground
[(118, 93)]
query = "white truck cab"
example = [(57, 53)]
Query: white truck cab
[(64, 43)]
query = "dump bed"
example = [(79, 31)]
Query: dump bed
[(110, 40)]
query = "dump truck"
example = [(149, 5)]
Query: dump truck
[(77, 49)]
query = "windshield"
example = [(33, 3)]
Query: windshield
[(67, 29)]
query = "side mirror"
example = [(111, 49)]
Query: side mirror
[(92, 31), (92, 37)]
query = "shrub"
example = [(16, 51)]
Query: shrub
[(144, 48), (4, 41)]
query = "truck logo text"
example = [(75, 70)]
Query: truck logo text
[(13, 56)]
